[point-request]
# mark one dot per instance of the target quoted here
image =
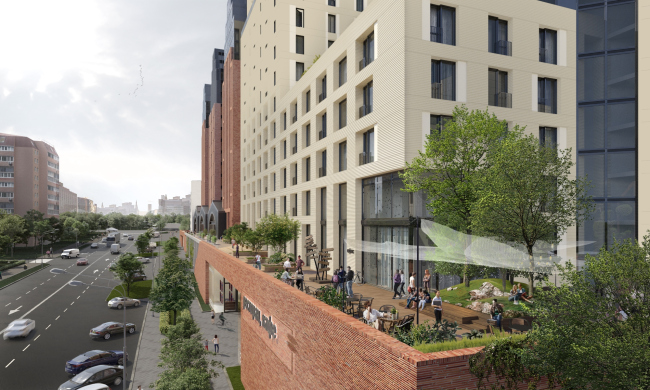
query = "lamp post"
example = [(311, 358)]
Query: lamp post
[(76, 283), (153, 267)]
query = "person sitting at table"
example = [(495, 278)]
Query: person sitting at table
[(424, 299), (299, 279), (413, 297), (285, 276), (370, 315)]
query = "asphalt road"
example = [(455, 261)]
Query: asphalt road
[(64, 316)]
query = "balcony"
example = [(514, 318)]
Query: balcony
[(503, 99), (545, 105), (294, 149), (294, 119), (322, 97), (436, 34), (365, 110), (294, 212), (365, 62), (294, 181), (366, 158), (322, 134), (503, 47), (321, 172)]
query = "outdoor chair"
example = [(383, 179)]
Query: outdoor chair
[(307, 289), (405, 326), (353, 300), (408, 317)]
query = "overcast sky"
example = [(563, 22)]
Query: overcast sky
[(69, 71)]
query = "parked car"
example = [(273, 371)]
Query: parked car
[(106, 329), (96, 386), (94, 245), (19, 328), (70, 253), (99, 374), (82, 261), (143, 259), (94, 358), (118, 302), (139, 276)]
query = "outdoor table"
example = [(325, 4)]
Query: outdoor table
[(385, 321), (293, 280)]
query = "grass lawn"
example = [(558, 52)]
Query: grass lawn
[(13, 278), (464, 343), (139, 290), (204, 306), (234, 373), (461, 295)]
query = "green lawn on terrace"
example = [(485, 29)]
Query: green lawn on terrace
[(461, 295)]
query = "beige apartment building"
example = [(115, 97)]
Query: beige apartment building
[(29, 176), (68, 200), (326, 146)]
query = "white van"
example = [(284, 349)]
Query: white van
[(96, 386), (68, 253), (115, 248)]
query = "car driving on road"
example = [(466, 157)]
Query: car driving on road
[(19, 328), (118, 302), (69, 253), (94, 245), (139, 276), (94, 358), (130, 238), (82, 261), (143, 259), (107, 329), (99, 374)]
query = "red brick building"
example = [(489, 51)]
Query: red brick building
[(231, 180)]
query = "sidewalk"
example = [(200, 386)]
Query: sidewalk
[(146, 366), (228, 341)]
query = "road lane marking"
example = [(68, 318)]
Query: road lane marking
[(27, 292), (96, 278), (79, 297), (14, 310), (36, 338), (48, 280), (57, 318), (72, 303), (42, 283), (91, 283), (83, 291), (7, 304), (48, 326), (12, 360), (66, 309), (34, 288), (26, 347), (18, 298)]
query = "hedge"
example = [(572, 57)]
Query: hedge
[(164, 319), (11, 264), (146, 254)]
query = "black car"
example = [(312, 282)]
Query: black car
[(130, 238), (106, 329), (93, 358), (98, 374)]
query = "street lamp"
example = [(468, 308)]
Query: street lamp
[(77, 283)]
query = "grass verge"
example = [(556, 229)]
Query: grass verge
[(464, 343), (461, 294), (234, 374), (7, 264), (139, 290), (204, 306), (11, 279)]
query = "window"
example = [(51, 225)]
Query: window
[(443, 80), (343, 114), (308, 169), (307, 135), (274, 53), (273, 78), (300, 69), (300, 17), (7, 158), (323, 217), (273, 103), (6, 184), (4, 148), (547, 95), (438, 123), (331, 3), (284, 149), (368, 51), (323, 125), (331, 24), (300, 44), (307, 101), (237, 42), (329, 43), (368, 154), (274, 189), (498, 89), (295, 143), (548, 136), (284, 205), (274, 130), (547, 46), (359, 5), (343, 71), (284, 178), (443, 24), (274, 156), (323, 88), (307, 202), (343, 158), (367, 101), (284, 117), (323, 164), (498, 37), (294, 176)]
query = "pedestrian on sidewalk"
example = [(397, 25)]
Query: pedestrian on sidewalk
[(232, 242), (212, 317), (237, 251), (205, 344), (299, 263), (402, 282), (222, 318), (47, 253), (215, 341), (396, 283), (258, 261), (437, 306)]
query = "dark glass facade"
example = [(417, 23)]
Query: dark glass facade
[(607, 119)]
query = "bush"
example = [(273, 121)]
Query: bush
[(10, 264), (464, 343), (427, 334), (147, 254), (165, 318)]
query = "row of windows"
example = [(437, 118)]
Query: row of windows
[(6, 184), (5, 148), (6, 194)]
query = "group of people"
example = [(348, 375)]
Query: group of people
[(421, 297), (342, 280), (399, 280), (298, 277), (518, 293)]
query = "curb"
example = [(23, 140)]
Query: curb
[(226, 374), (137, 351), (26, 276)]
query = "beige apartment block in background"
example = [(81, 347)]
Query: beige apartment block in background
[(643, 104), (374, 85)]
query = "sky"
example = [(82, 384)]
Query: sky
[(115, 86)]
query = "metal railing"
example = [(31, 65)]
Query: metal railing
[(366, 158), (503, 47), (322, 134), (438, 91), (503, 99), (365, 110), (545, 106), (321, 172), (436, 34)]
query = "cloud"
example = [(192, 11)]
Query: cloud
[(70, 80)]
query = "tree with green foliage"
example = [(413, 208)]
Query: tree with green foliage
[(13, 227), (41, 228), (450, 168), (160, 225), (126, 268), (528, 195), (236, 232), (174, 287), (278, 230), (31, 218), (254, 240), (170, 247), (142, 242)]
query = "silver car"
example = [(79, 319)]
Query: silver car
[(19, 328), (119, 302)]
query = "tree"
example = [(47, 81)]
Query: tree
[(126, 267), (580, 337), (142, 242), (174, 287), (451, 166), (236, 232), (278, 230), (31, 218), (527, 195), (160, 225), (13, 227), (41, 228), (254, 240)]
